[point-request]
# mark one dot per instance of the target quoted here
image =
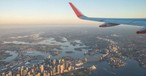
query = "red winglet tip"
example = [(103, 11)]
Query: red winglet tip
[(77, 12)]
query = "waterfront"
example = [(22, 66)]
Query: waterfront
[(112, 54)]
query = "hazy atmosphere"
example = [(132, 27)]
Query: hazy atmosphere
[(59, 11), (53, 38)]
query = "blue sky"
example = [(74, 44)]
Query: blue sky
[(59, 11)]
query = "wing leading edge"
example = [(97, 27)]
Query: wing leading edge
[(108, 22)]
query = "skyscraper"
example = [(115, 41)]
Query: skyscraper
[(42, 68)]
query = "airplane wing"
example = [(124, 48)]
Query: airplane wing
[(109, 22)]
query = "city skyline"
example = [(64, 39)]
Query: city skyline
[(59, 12)]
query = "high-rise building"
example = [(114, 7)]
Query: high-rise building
[(42, 68), (48, 74), (10, 73), (58, 69), (51, 72), (59, 61), (21, 70), (7, 75), (45, 73), (54, 67), (3, 74), (66, 65), (38, 74), (62, 68), (70, 68), (24, 72), (33, 71), (29, 73), (18, 75), (54, 61), (27, 68), (62, 60)]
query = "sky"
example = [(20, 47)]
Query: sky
[(59, 11)]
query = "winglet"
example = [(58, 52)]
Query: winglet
[(77, 12)]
